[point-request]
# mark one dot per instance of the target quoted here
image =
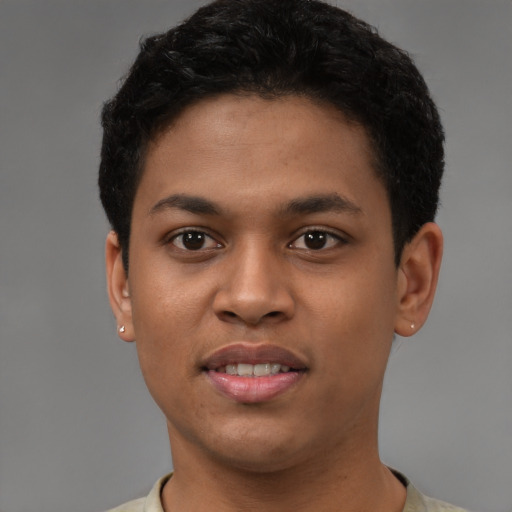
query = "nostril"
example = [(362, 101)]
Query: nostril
[(232, 316)]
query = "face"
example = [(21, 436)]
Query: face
[(262, 288)]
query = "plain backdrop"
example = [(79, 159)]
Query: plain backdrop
[(78, 430)]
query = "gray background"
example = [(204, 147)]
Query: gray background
[(78, 431)]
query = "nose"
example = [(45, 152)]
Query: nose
[(255, 289)]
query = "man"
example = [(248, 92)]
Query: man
[(271, 174)]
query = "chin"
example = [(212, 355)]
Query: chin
[(258, 461), (258, 450)]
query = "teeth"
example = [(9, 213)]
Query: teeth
[(261, 369), (245, 370), (231, 369), (254, 370), (275, 368)]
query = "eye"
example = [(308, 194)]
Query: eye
[(315, 240), (194, 241)]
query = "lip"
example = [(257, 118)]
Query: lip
[(250, 390), (252, 354)]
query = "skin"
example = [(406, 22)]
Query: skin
[(257, 281)]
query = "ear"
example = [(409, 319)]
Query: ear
[(417, 279), (118, 289)]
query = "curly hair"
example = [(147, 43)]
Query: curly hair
[(273, 49)]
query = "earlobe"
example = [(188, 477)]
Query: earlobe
[(417, 279), (118, 288)]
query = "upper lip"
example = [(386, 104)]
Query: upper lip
[(250, 353)]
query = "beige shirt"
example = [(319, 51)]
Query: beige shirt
[(414, 502)]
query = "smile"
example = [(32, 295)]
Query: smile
[(254, 370), (248, 373)]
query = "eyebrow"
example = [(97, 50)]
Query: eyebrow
[(300, 206), (319, 204), (193, 204)]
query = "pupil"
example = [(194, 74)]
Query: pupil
[(315, 240), (193, 240)]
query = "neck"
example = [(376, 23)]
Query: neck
[(348, 480)]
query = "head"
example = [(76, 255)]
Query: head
[(270, 170), (273, 50)]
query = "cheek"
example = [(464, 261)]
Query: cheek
[(166, 301), (354, 316), (164, 318)]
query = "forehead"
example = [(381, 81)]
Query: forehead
[(248, 147), (236, 114)]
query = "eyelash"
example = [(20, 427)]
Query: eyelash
[(331, 239), (176, 236), (326, 237)]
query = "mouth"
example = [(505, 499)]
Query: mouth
[(254, 370), (248, 373)]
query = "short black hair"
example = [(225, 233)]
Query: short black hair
[(273, 49)]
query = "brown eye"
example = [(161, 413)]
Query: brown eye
[(194, 241), (316, 240)]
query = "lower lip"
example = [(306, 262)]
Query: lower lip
[(251, 390)]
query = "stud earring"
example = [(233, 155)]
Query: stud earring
[(413, 325), (122, 329)]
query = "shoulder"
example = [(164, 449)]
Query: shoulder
[(418, 502), (415, 501), (151, 503), (421, 503), (131, 506), (433, 505)]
